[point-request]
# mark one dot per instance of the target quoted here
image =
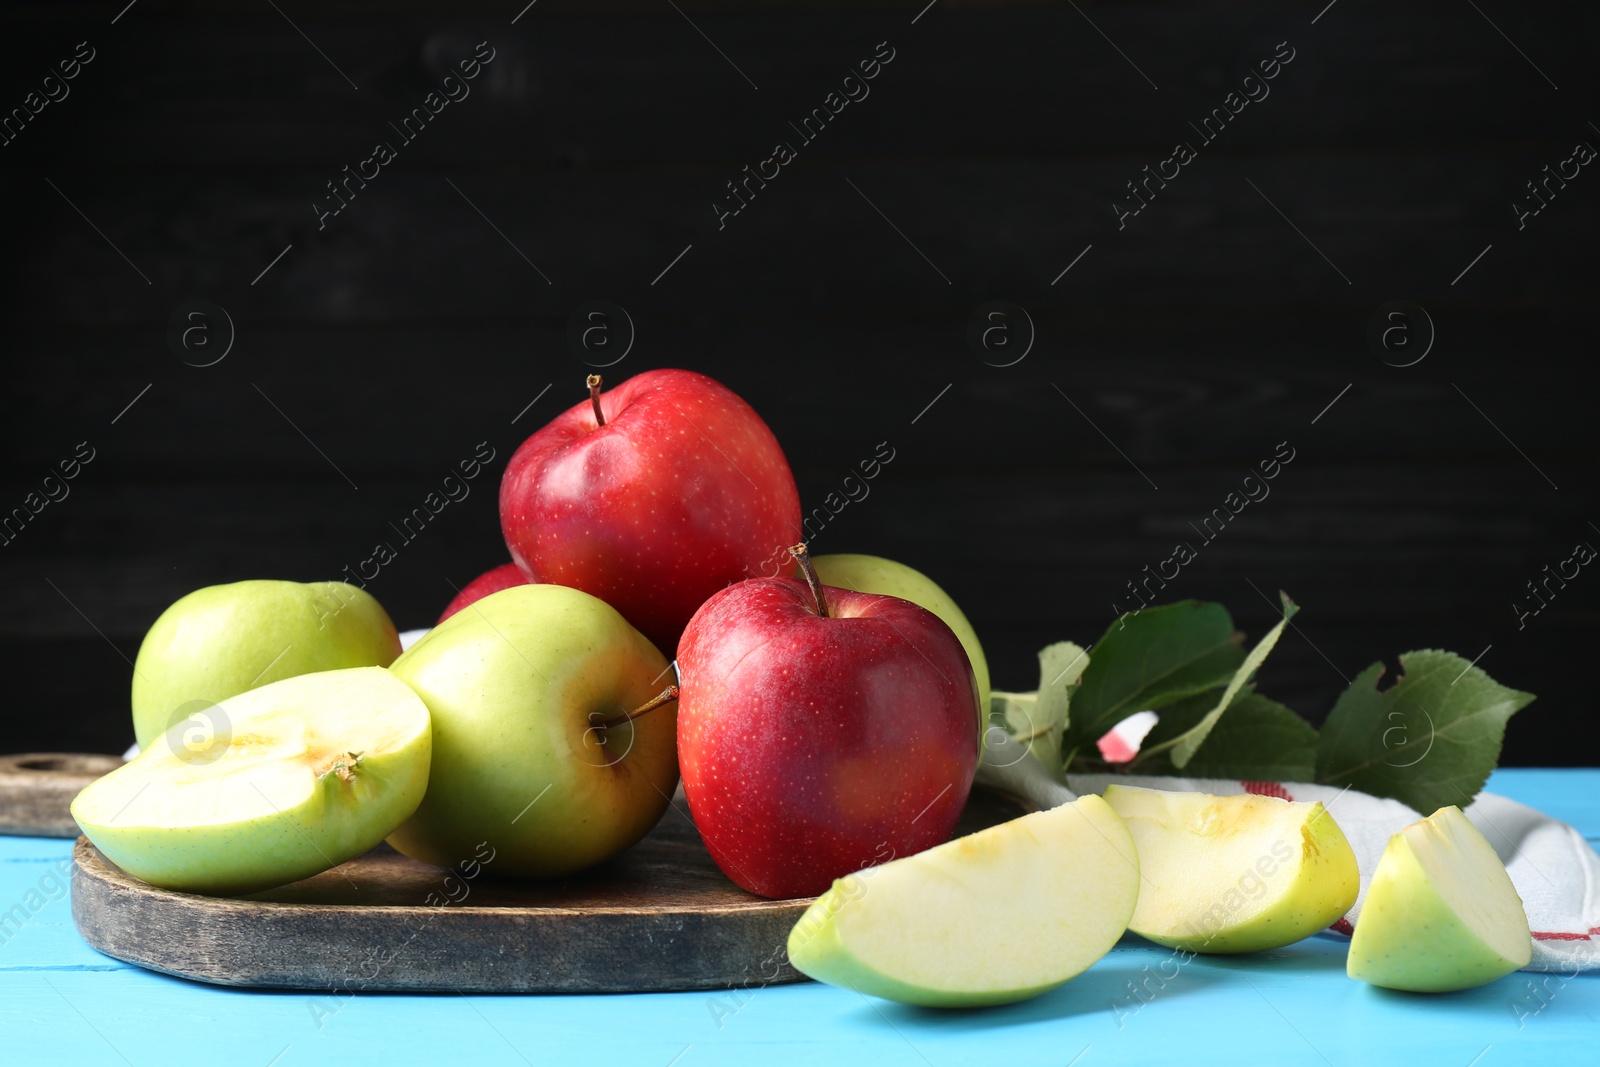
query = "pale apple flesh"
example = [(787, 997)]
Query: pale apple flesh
[(1227, 874), (517, 683), (874, 574), (222, 640), (1441, 913), (995, 917), (268, 787)]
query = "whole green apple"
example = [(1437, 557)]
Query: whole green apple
[(225, 639), (287, 780), (533, 752), (874, 574)]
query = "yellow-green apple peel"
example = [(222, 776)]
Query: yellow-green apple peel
[(225, 639), (1441, 913)]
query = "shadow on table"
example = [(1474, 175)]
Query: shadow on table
[(1523, 995), (1100, 989), (1312, 957)]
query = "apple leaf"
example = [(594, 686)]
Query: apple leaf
[(1152, 658), (1039, 720), (1185, 745), (1060, 667), (1013, 712), (1428, 740), (1258, 739)]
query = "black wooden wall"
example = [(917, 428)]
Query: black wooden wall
[(180, 171)]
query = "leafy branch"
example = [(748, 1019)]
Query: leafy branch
[(1429, 739)]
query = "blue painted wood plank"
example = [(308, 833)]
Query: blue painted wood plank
[(1294, 1006)]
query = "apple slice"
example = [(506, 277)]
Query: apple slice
[(292, 778), (1235, 873), (1057, 887), (1441, 913)]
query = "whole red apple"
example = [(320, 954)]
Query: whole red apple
[(650, 496), (490, 581), (821, 731)]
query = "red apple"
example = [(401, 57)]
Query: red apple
[(651, 496), (490, 581), (821, 731)]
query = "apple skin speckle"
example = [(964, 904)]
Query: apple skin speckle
[(683, 491), (812, 747)]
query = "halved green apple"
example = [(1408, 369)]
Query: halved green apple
[(291, 779), (1059, 886), (1441, 913), (1240, 873)]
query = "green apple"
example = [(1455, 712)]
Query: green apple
[(281, 782), (1235, 873), (224, 639), (1441, 913), (995, 917), (519, 684), (874, 574)]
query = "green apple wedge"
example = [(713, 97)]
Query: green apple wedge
[(1226, 874), (874, 574), (531, 690), (1441, 913), (225, 639), (1057, 888), (280, 783)]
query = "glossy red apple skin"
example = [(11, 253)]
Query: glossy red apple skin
[(683, 491), (812, 747), (490, 581)]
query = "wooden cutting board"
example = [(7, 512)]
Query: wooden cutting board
[(36, 790), (659, 917)]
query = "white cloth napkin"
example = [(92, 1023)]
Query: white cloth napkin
[(1554, 869)]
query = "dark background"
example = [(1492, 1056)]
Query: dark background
[(1176, 353)]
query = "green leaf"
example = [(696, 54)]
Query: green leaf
[(1429, 740), (1012, 712), (1039, 719), (1152, 658), (1258, 739), (1186, 744)]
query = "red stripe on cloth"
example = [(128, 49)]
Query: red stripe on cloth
[(1546, 935), (1343, 927), (1266, 789)]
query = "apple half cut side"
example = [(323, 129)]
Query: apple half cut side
[(267, 787), (1441, 913), (1058, 887), (1228, 874)]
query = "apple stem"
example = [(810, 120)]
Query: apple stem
[(810, 571), (594, 398), (666, 696)]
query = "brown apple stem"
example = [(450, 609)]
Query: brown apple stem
[(594, 398), (810, 571), (666, 696)]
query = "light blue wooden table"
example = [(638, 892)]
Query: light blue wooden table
[(63, 1003)]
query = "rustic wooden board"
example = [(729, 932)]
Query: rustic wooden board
[(36, 790), (660, 917)]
